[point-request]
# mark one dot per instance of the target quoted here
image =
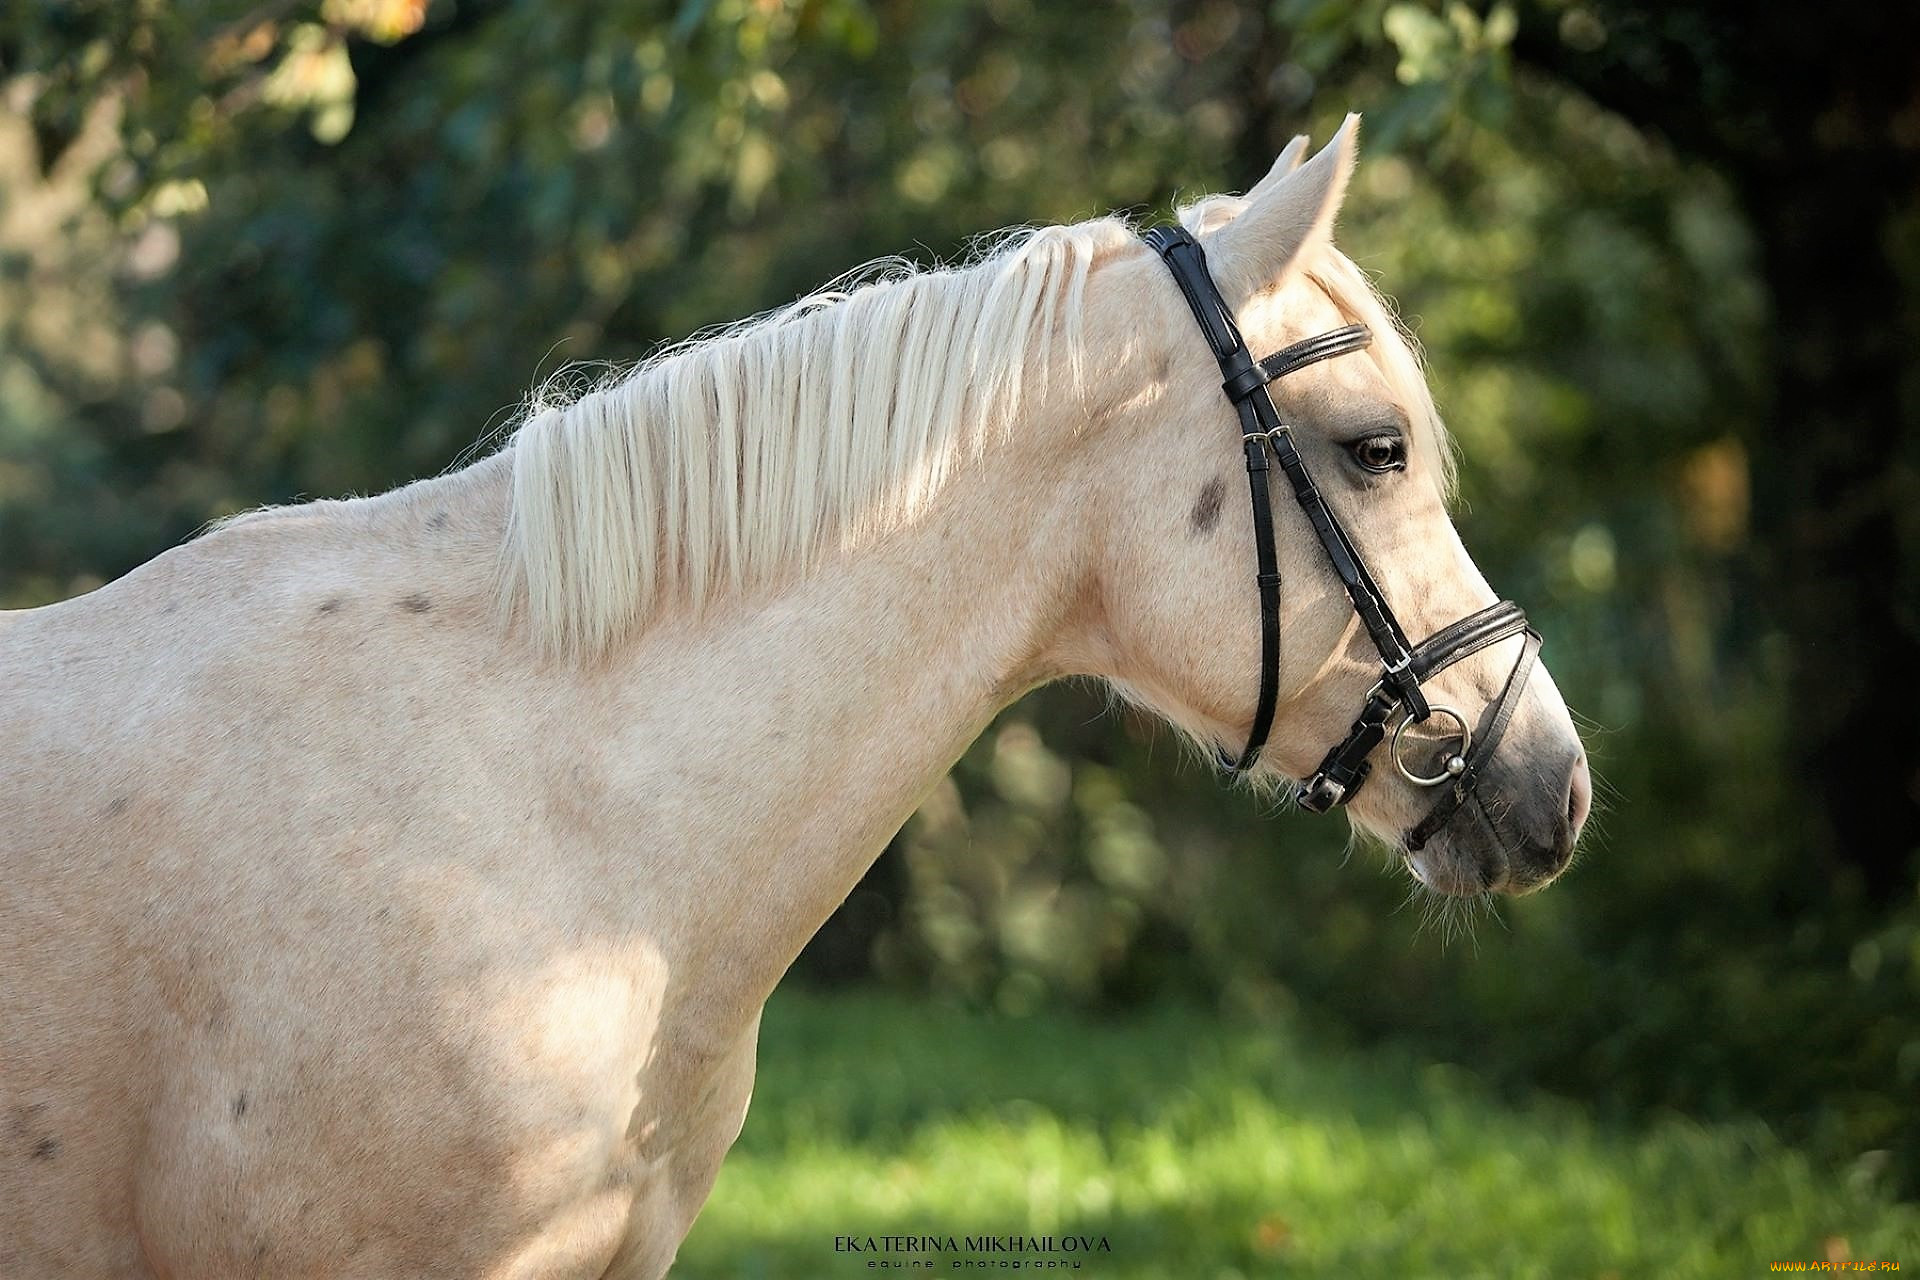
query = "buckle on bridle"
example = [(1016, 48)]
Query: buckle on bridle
[(1321, 793), (1256, 446), (1404, 683)]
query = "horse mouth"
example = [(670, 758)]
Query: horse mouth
[(1455, 873)]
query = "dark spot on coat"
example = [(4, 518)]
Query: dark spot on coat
[(117, 806), (239, 1106), (1206, 508), (437, 521), (416, 603), (46, 1149), (25, 1120), (332, 604)]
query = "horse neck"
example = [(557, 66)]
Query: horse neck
[(757, 758)]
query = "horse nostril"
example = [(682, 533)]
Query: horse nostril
[(1579, 796)]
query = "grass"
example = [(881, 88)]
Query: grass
[(1200, 1148)]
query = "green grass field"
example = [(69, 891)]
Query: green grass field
[(1199, 1148)]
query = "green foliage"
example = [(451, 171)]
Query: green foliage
[(336, 303), (1209, 1150)]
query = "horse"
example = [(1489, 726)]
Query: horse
[(393, 885)]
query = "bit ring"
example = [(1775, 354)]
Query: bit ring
[(1456, 763)]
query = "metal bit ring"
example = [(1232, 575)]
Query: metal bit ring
[(1456, 763)]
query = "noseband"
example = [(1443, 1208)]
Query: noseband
[(1403, 667)]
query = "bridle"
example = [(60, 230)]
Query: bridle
[(1403, 667)]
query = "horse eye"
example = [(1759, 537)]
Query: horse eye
[(1380, 453)]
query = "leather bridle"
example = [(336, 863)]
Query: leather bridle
[(1267, 440)]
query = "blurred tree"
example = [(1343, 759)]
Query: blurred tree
[(1815, 119)]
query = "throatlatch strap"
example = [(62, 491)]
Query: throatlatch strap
[(1187, 263), (1268, 579)]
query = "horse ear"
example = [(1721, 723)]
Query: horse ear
[(1286, 213), (1289, 160)]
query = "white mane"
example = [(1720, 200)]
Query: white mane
[(731, 459), (736, 457)]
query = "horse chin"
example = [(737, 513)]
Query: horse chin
[(1447, 868)]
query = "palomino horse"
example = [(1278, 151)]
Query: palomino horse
[(392, 886)]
